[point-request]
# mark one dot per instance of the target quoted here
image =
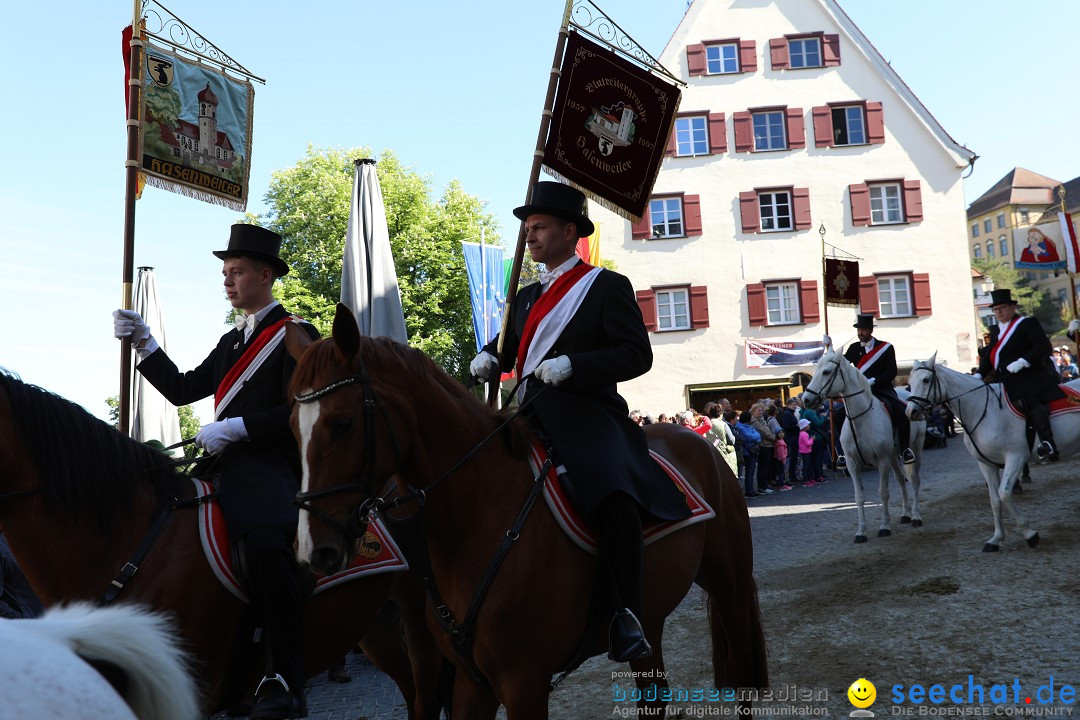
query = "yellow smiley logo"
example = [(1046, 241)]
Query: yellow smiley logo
[(862, 693)]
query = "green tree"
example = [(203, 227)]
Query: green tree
[(1030, 301), (189, 421), (309, 206)]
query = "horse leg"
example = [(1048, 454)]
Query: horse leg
[(885, 529), (916, 481), (424, 657), (384, 646), (992, 477), (649, 672), (1010, 477), (854, 467), (476, 702)]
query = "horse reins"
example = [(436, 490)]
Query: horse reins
[(870, 406), (935, 384)]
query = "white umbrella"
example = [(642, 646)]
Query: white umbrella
[(368, 278), (152, 416)]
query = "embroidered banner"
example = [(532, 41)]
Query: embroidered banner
[(195, 137), (1040, 247), (609, 127), (841, 282), (769, 354)]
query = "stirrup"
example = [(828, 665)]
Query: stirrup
[(908, 456), (626, 630), (276, 678), (841, 462)]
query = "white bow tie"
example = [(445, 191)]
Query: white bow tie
[(245, 321), (546, 278)]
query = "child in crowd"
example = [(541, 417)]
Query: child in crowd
[(780, 449), (806, 446)]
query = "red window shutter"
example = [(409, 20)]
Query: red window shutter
[(921, 290), (670, 150), (750, 212), (692, 214), (875, 123), (823, 135), (800, 201), (642, 229), (868, 299), (808, 301), (912, 201), (744, 133), (699, 306), (796, 128), (778, 52), (860, 204), (747, 56), (755, 304), (830, 48), (695, 59), (717, 133), (646, 300)]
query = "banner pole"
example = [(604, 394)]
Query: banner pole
[(534, 175), (825, 315), (131, 179), (1072, 278)]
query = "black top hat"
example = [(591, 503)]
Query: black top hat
[(255, 242), (563, 201), (1001, 297), (864, 320)]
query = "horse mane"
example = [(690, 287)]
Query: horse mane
[(85, 465), (381, 352)]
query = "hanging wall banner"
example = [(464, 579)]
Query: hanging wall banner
[(195, 135), (841, 282), (609, 127), (1040, 247), (771, 354)]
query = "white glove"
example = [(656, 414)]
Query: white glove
[(1074, 325), (217, 436), (826, 341), (871, 381), (977, 376), (1017, 365), (129, 324), (481, 365), (554, 372)]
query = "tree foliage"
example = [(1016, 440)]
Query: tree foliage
[(309, 206), (1030, 301)]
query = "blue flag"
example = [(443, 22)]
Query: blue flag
[(484, 267)]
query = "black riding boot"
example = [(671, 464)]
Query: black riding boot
[(619, 532), (903, 431), (1039, 416)]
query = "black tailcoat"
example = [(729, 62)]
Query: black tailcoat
[(260, 476), (585, 418), (1028, 341)]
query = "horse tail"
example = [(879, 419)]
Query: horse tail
[(135, 650), (740, 657)]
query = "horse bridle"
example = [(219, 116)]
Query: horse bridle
[(825, 392), (925, 403)]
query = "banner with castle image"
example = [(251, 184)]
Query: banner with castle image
[(195, 135)]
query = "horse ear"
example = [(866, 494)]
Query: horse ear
[(933, 359), (346, 333), (296, 340)]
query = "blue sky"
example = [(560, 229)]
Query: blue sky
[(454, 89)]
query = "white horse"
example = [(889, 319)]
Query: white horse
[(867, 438), (46, 674), (993, 434)]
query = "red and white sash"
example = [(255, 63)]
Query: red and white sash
[(1003, 338), (249, 363), (871, 357), (550, 315)]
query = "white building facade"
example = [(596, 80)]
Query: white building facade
[(791, 122)]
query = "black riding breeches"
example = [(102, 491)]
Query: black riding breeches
[(617, 521), (1038, 414)]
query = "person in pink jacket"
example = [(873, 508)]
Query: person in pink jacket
[(806, 446), (781, 452)]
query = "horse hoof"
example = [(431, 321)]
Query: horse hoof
[(884, 532), (1026, 479), (904, 519), (990, 547), (1033, 540), (916, 523), (1018, 489), (860, 538)]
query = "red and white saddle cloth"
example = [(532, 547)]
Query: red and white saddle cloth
[(378, 551), (576, 529), (1068, 404)]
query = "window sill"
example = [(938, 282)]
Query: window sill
[(770, 150), (675, 329), (777, 230), (894, 222)]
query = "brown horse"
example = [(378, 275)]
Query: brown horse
[(76, 500), (378, 421)]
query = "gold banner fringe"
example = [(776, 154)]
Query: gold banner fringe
[(603, 202), (191, 192)]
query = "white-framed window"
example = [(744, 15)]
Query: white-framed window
[(722, 59), (990, 249), (692, 135), (782, 303), (666, 216), (975, 230), (770, 132), (1004, 241), (849, 125), (775, 209), (805, 52), (885, 204), (894, 296), (988, 226), (977, 251), (673, 309), (1001, 220)]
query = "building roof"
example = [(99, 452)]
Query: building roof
[(1019, 187), (1072, 201)]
